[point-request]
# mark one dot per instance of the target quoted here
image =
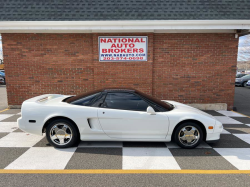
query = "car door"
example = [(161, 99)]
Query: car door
[(123, 115)]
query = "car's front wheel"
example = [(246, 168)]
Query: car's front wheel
[(244, 84), (188, 135), (62, 133)]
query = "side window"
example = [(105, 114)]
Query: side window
[(85, 101), (125, 101), (98, 100)]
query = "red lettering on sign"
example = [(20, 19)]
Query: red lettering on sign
[(124, 40), (142, 41), (113, 45), (137, 40), (109, 41), (131, 40), (103, 40), (123, 50), (104, 50), (129, 50), (117, 50), (135, 50), (141, 50), (131, 45), (119, 45)]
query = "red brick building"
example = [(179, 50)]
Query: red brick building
[(191, 55)]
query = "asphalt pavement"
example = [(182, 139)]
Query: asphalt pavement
[(124, 180), (242, 100)]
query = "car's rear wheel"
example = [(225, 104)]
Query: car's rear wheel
[(188, 135), (62, 133)]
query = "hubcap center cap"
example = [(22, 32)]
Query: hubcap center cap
[(60, 134), (189, 135)]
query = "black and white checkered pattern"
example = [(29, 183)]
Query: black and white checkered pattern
[(20, 150)]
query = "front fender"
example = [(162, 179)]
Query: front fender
[(176, 119)]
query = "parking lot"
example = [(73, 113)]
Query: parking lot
[(137, 163), (242, 100)]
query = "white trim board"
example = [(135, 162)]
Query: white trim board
[(155, 26)]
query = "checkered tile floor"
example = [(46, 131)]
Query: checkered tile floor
[(20, 150)]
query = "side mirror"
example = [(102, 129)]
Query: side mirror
[(150, 110)]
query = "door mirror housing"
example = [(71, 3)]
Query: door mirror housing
[(150, 110)]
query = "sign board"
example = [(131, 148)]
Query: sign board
[(123, 48)]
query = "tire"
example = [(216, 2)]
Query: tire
[(180, 133), (244, 84), (61, 133)]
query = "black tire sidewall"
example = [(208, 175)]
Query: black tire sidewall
[(244, 84), (176, 139), (75, 135)]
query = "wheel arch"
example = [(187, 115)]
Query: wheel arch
[(193, 121), (243, 83), (56, 118)]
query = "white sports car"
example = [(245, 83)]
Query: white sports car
[(116, 115)]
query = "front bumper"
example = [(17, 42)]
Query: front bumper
[(215, 136), (238, 83)]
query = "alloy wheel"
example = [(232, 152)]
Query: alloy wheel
[(61, 134), (189, 135)]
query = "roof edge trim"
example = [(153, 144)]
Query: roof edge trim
[(120, 26)]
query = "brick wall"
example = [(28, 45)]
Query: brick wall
[(195, 68), (190, 68)]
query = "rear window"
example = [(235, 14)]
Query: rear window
[(81, 96), (85, 101)]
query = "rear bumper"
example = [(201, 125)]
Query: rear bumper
[(31, 128)]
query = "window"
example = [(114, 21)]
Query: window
[(86, 101), (98, 100), (125, 101), (246, 77)]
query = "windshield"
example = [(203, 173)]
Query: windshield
[(247, 77), (240, 75), (2, 73), (166, 105)]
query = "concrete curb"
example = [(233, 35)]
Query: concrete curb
[(210, 106)]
